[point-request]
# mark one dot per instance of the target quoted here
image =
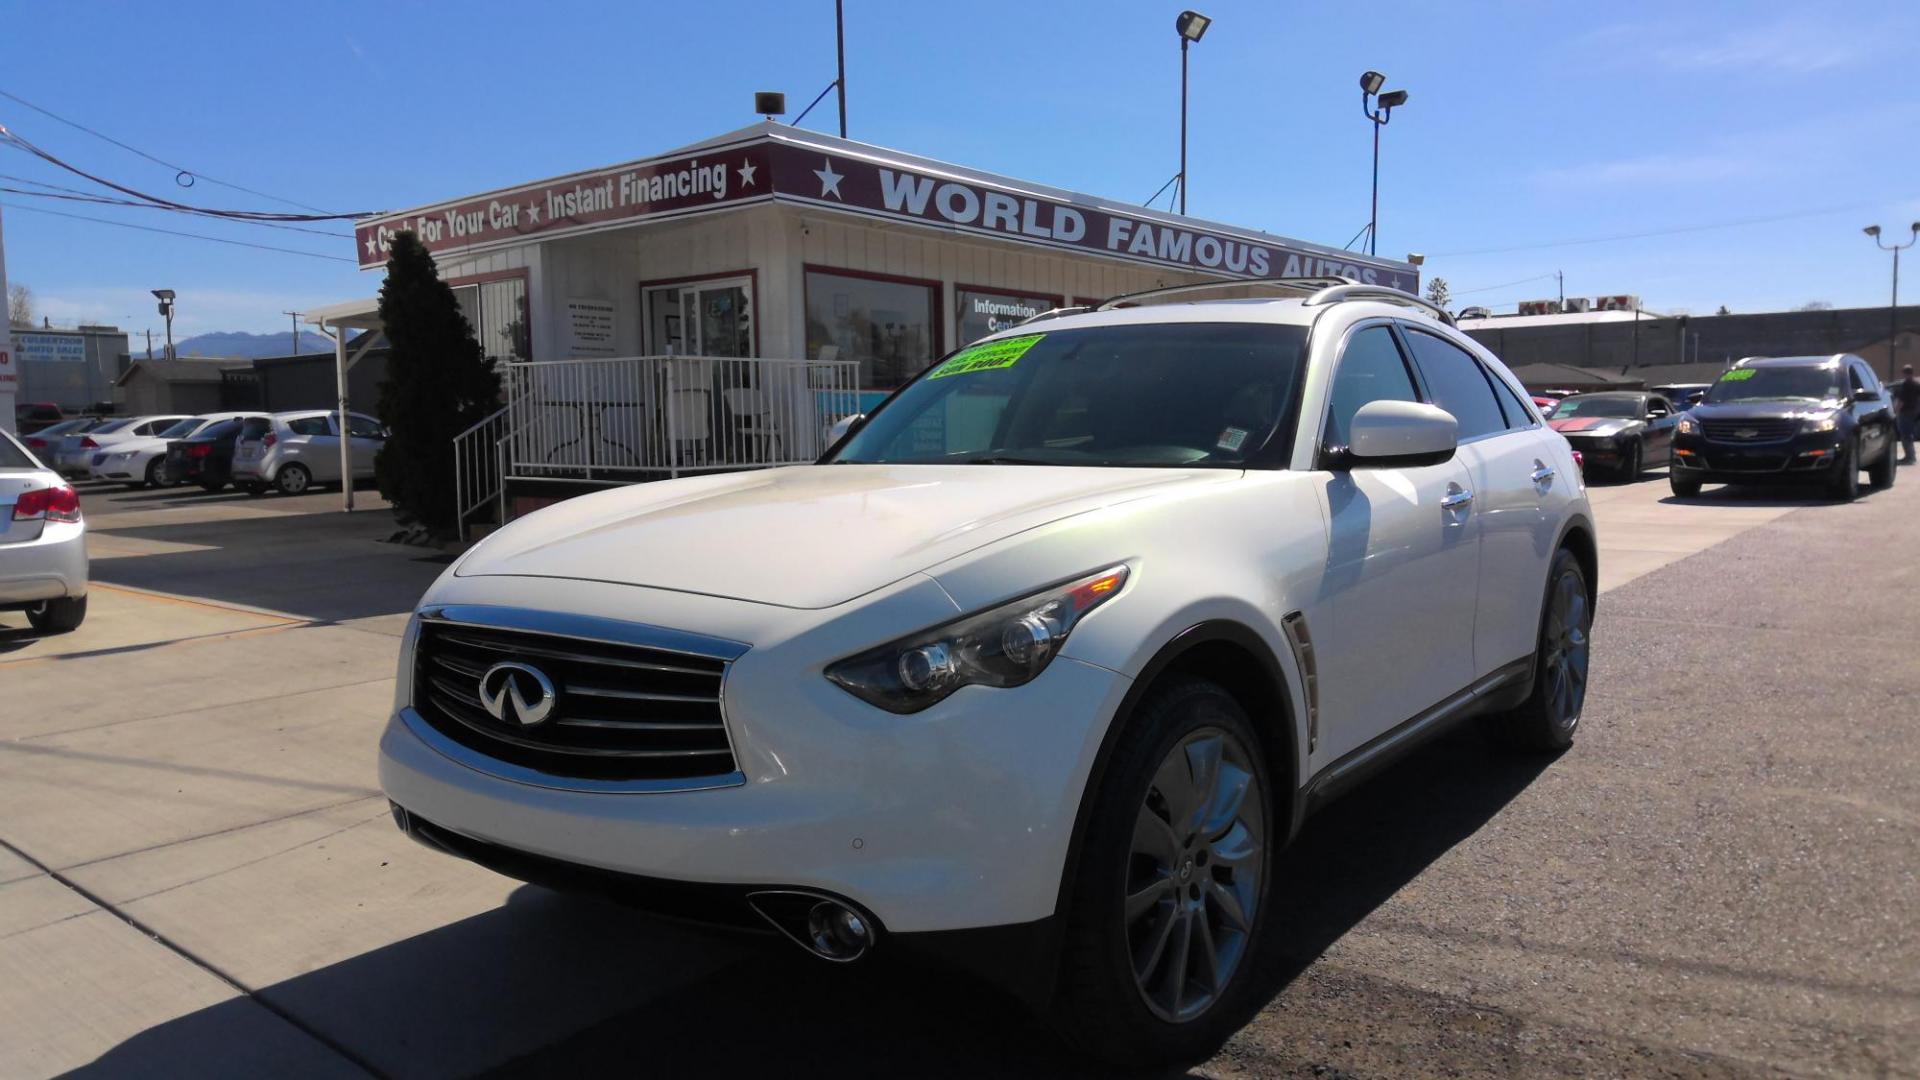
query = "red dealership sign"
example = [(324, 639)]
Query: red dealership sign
[(840, 177)]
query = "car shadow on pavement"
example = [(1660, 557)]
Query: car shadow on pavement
[(1762, 497), (557, 985)]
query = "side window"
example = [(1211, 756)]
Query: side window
[(364, 427), (1853, 376), (1458, 385), (1519, 417), (1657, 406), (309, 425), (1371, 369)]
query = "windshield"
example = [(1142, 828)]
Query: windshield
[(1170, 394), (1596, 405), (1777, 384), (182, 429)]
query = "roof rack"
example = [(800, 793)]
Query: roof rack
[(1054, 313), (1316, 290), (1298, 286), (1354, 290)]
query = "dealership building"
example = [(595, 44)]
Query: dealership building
[(623, 298)]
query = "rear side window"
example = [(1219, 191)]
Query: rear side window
[(1457, 384), (1518, 415), (255, 428), (364, 427), (15, 456), (225, 429), (309, 425), (1371, 369)]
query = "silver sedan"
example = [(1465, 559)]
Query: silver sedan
[(43, 542)]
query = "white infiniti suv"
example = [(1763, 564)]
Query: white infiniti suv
[(1038, 667)]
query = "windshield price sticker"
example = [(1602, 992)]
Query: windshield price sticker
[(1737, 374), (990, 356)]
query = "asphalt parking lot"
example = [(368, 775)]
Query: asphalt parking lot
[(198, 876)]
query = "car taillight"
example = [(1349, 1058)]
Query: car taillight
[(1580, 461), (269, 440), (87, 443), (36, 444), (55, 504), (200, 449)]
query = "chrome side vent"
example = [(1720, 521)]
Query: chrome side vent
[(1301, 642)]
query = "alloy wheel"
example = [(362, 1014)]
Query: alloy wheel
[(1567, 649), (1193, 880)]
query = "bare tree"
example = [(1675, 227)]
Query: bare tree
[(1438, 293), (1815, 305), (19, 305)]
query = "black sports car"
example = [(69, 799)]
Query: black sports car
[(207, 458), (1790, 419), (1619, 431)]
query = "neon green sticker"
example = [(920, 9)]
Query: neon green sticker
[(1737, 374), (990, 356)]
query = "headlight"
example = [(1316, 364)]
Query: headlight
[(1687, 426), (1826, 423), (1002, 646)]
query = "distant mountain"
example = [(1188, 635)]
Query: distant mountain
[(242, 344)]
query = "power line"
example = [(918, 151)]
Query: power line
[(1740, 223), (80, 196), (1502, 285), (179, 170), (174, 232), (16, 139)]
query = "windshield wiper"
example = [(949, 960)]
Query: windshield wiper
[(1001, 459)]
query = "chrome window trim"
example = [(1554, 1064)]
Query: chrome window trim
[(596, 630)]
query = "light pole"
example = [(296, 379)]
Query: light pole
[(166, 309), (1379, 110), (1191, 26), (1893, 310)]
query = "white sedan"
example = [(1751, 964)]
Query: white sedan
[(140, 463), (43, 542)]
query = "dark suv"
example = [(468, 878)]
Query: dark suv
[(1788, 419)]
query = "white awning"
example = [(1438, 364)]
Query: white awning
[(352, 314)]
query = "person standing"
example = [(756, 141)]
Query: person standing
[(1906, 412)]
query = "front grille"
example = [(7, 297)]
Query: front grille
[(1749, 431), (620, 712)]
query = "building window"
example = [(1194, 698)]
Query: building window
[(498, 311), (984, 312), (888, 324)]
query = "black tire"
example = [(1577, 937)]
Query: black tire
[(1880, 474), (293, 479), (1631, 468), (211, 486), (58, 616), (156, 475), (1684, 488), (1844, 485), (1547, 720), (1103, 1007)]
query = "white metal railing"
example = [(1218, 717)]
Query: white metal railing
[(639, 416), (478, 473)]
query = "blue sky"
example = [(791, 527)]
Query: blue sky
[(1530, 124)]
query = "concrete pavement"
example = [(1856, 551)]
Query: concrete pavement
[(197, 876)]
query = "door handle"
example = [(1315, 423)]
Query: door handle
[(1456, 500), (1543, 475)]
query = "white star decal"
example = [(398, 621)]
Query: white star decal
[(829, 181), (746, 171), (533, 212), (372, 245)]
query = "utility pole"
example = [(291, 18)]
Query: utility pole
[(1893, 307), (149, 343), (295, 316), (1561, 277), (840, 47), (9, 371)]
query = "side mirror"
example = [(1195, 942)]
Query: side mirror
[(1399, 434), (1864, 394), (844, 427)]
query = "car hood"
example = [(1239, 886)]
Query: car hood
[(1592, 425), (808, 536), (1797, 409)]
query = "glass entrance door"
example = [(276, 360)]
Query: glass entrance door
[(701, 318)]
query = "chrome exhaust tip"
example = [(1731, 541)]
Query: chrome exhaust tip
[(825, 926)]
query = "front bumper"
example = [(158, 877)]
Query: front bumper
[(1806, 457), (49, 567), (954, 818)]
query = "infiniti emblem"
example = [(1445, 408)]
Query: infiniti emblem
[(1746, 433), (518, 689)]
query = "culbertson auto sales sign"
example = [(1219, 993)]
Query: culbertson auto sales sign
[(776, 168)]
